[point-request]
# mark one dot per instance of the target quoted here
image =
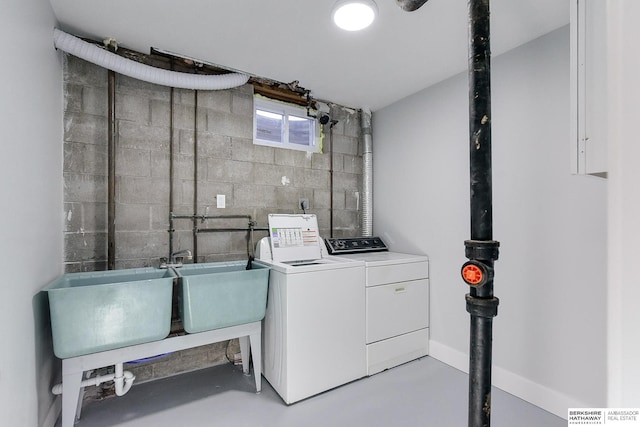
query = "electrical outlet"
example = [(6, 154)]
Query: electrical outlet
[(303, 204), (220, 201)]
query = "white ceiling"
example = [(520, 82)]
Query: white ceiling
[(287, 40)]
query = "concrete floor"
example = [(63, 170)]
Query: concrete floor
[(422, 393)]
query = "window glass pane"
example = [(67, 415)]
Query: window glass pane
[(300, 130), (279, 124), (269, 126)]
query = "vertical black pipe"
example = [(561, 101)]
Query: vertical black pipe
[(331, 124), (195, 177), (480, 120), (111, 173), (481, 250), (171, 161)]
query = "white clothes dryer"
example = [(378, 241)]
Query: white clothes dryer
[(397, 301)]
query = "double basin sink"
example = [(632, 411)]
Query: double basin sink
[(99, 311)]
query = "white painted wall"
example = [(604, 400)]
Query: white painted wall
[(31, 212), (624, 203), (550, 333)]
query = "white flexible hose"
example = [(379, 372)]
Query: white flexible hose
[(111, 61)]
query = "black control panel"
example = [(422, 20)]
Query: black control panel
[(355, 245)]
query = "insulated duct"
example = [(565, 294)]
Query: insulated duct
[(111, 61), (367, 173), (410, 5)]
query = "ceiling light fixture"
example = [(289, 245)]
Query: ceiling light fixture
[(354, 15)]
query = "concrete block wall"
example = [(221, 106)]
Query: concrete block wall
[(256, 180)]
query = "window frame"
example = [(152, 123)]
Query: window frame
[(286, 110)]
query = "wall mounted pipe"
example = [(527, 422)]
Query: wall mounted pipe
[(367, 173), (94, 54), (331, 210), (332, 123), (203, 217), (195, 175), (111, 173), (249, 229), (171, 166)]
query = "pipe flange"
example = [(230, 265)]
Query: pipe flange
[(481, 249), (482, 307)]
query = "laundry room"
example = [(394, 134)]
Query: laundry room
[(117, 172)]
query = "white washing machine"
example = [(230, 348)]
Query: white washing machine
[(397, 301), (314, 326)]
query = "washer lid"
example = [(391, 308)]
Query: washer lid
[(294, 237)]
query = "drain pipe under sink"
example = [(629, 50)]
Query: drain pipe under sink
[(123, 381)]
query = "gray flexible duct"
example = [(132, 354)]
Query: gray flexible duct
[(111, 61), (367, 173)]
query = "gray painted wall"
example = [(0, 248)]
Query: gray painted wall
[(550, 333), (31, 214)]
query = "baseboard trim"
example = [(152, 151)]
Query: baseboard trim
[(543, 397)]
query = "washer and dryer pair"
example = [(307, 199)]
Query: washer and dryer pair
[(324, 327)]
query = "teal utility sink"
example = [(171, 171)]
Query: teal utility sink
[(103, 310), (222, 294)]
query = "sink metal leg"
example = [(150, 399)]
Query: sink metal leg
[(244, 352), (79, 407), (256, 352), (70, 396)]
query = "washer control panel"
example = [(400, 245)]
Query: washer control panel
[(355, 245)]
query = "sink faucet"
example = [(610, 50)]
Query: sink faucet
[(176, 259), (181, 254)]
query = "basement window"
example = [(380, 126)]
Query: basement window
[(283, 125)]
